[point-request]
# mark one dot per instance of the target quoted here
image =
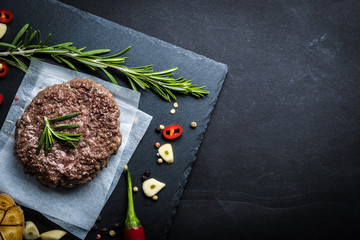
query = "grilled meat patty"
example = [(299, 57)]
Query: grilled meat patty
[(98, 125)]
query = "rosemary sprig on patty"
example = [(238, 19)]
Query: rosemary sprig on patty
[(48, 134)]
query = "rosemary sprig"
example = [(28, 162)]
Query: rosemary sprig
[(28, 43), (49, 134)]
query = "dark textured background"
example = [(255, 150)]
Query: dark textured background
[(281, 156)]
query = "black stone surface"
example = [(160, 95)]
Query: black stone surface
[(280, 158), (93, 32)]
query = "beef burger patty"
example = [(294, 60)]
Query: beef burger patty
[(98, 125)]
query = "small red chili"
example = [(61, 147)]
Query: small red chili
[(5, 16), (172, 132), (133, 228), (3, 69), (1, 98)]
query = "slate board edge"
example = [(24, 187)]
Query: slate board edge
[(132, 31), (178, 194)]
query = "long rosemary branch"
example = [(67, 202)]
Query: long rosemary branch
[(28, 43)]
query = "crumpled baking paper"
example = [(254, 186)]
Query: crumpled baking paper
[(74, 209)]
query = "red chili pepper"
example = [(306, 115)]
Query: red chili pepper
[(172, 132), (133, 228), (5, 16), (3, 69), (1, 98)]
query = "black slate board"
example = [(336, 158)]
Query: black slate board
[(70, 24), (287, 116)]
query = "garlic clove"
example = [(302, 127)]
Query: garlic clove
[(30, 231), (53, 235)]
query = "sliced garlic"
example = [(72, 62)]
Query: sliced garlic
[(166, 152), (152, 187), (3, 29)]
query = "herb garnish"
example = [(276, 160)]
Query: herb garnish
[(28, 42), (49, 134)]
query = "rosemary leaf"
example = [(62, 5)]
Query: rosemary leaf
[(39, 37), (131, 83), (42, 138), (95, 52), (46, 40), (7, 45), (120, 53), (67, 63), (71, 115), (47, 142), (65, 126), (32, 36), (70, 144), (19, 62), (169, 71), (57, 59), (137, 80), (111, 77), (66, 44), (14, 64), (20, 34)]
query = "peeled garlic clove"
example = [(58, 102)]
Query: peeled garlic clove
[(152, 187), (52, 235), (3, 29), (30, 231)]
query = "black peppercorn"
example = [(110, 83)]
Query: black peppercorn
[(158, 129), (104, 231), (143, 178), (116, 226), (99, 218), (94, 227), (147, 173)]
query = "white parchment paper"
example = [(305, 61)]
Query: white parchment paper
[(74, 209)]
